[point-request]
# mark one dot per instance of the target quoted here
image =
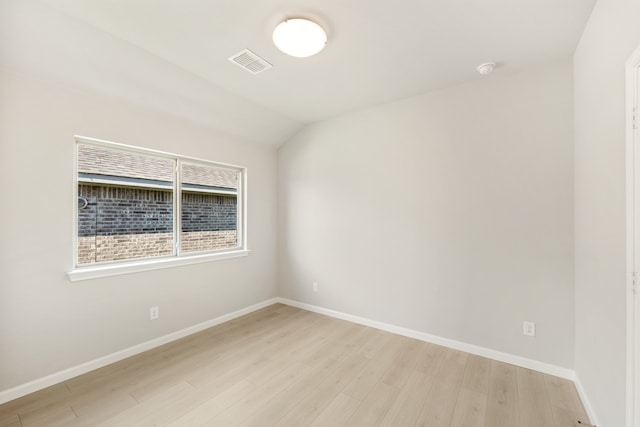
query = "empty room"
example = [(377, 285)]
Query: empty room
[(329, 213)]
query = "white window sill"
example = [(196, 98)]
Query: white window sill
[(87, 273)]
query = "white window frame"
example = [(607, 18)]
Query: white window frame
[(113, 268)]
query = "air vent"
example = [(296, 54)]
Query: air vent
[(250, 61)]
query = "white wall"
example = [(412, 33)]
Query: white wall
[(610, 37), (448, 213), (47, 323)]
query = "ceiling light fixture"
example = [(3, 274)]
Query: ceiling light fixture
[(486, 68), (299, 37)]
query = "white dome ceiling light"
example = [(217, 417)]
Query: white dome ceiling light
[(486, 68), (299, 37)]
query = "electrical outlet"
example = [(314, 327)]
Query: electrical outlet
[(315, 286), (154, 313), (529, 328)]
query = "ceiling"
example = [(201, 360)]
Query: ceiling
[(377, 50)]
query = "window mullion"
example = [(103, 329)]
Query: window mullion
[(240, 211), (76, 211), (177, 209)]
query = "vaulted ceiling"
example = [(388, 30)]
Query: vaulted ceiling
[(377, 51)]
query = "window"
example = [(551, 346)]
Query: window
[(141, 209)]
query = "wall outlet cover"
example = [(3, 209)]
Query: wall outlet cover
[(529, 328)]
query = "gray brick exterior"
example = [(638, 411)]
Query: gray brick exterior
[(121, 210), (207, 212), (127, 223)]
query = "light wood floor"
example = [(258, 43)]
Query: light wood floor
[(281, 366)]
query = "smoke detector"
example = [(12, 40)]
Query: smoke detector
[(250, 61), (486, 68)]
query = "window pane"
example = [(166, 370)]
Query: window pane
[(125, 205), (209, 208)]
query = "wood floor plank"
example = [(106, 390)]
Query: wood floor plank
[(285, 400), (410, 401), (246, 361), (374, 407), (209, 409), (267, 371), (502, 402), (48, 416), (439, 405), (352, 343), (155, 388), (56, 394), (337, 412), (259, 396), (372, 373), (402, 366), (306, 411), (93, 408), (429, 358), (533, 401), (10, 420), (289, 367), (159, 410), (327, 332), (567, 418), (299, 340), (441, 402), (332, 343), (565, 403), (477, 374), (470, 409), (376, 343), (452, 366)]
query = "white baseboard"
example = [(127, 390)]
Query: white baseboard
[(49, 380), (585, 401), (445, 342)]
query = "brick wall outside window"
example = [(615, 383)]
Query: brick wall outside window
[(128, 223)]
